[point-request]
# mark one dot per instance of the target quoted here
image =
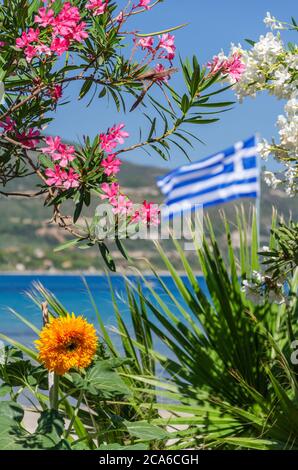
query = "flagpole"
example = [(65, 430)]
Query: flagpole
[(258, 199)]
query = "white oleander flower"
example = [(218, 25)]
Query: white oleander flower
[(291, 176), (271, 180), (267, 49), (257, 277), (258, 62), (291, 107), (291, 59), (269, 66), (264, 149), (252, 292), (282, 87), (251, 81), (288, 132), (271, 22)]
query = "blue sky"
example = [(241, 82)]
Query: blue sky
[(213, 25)]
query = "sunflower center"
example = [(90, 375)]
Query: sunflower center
[(71, 346)]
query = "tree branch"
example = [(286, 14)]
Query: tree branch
[(16, 194), (133, 13), (15, 107), (155, 140)]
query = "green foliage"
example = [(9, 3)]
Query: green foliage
[(106, 417), (101, 380), (281, 259), (229, 361), (184, 110), (112, 416), (13, 436), (226, 374)]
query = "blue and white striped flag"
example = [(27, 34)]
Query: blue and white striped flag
[(222, 177)]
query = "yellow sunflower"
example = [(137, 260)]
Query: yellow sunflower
[(66, 343)]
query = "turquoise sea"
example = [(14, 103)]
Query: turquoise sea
[(71, 292)]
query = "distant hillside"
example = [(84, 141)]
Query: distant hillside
[(27, 240)]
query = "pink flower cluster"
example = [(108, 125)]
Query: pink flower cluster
[(64, 29), (165, 48), (232, 66), (121, 204), (8, 125), (147, 213), (58, 151), (64, 154), (55, 92), (98, 7), (144, 4), (61, 178), (28, 139), (108, 142), (111, 165), (113, 137)]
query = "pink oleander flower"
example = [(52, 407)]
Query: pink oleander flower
[(66, 154), (145, 4), (146, 43), (56, 92), (56, 177), (27, 38), (232, 66), (58, 151), (111, 192), (28, 139), (71, 179), (99, 7), (215, 64), (43, 49), (8, 125), (159, 68), (45, 17), (79, 33), (235, 67), (147, 214), (2, 43), (59, 45), (53, 144), (30, 52), (167, 42), (65, 27), (120, 18), (111, 165), (122, 205), (107, 143), (118, 134), (114, 136), (66, 21)]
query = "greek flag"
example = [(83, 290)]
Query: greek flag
[(222, 177)]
